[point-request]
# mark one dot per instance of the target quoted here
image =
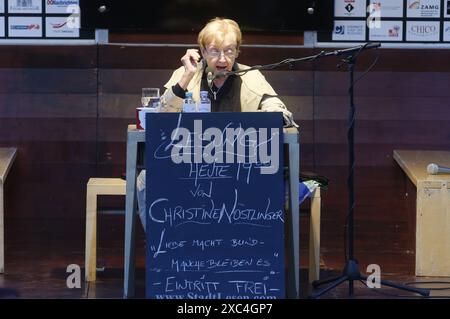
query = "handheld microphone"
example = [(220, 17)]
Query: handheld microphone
[(434, 169)]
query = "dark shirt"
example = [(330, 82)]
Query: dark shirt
[(224, 99)]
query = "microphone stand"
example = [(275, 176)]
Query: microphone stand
[(356, 49), (351, 271)]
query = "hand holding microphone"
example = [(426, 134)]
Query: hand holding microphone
[(435, 169)]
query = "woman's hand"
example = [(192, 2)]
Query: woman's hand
[(190, 60)]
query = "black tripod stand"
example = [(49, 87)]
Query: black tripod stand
[(351, 271)]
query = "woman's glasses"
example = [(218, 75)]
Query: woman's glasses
[(228, 53)]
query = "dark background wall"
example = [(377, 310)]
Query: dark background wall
[(66, 108)]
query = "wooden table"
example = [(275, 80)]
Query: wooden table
[(7, 156), (432, 210), (291, 138)]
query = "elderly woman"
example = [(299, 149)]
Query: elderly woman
[(219, 43)]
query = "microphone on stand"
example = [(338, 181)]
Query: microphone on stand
[(212, 74), (222, 74), (367, 46), (435, 169)]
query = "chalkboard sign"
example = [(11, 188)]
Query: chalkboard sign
[(215, 206)]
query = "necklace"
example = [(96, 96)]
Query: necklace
[(215, 92), (221, 83)]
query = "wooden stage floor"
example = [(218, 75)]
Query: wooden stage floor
[(38, 252)]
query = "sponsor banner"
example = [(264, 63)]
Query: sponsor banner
[(350, 8), (349, 31), (58, 27), (423, 8), (2, 27), (423, 31), (25, 27), (24, 6), (447, 31), (60, 6), (388, 8), (2, 6), (389, 31), (447, 8)]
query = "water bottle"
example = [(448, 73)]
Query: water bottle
[(189, 104), (205, 103)]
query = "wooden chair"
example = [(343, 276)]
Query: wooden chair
[(7, 156), (95, 187), (314, 236)]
